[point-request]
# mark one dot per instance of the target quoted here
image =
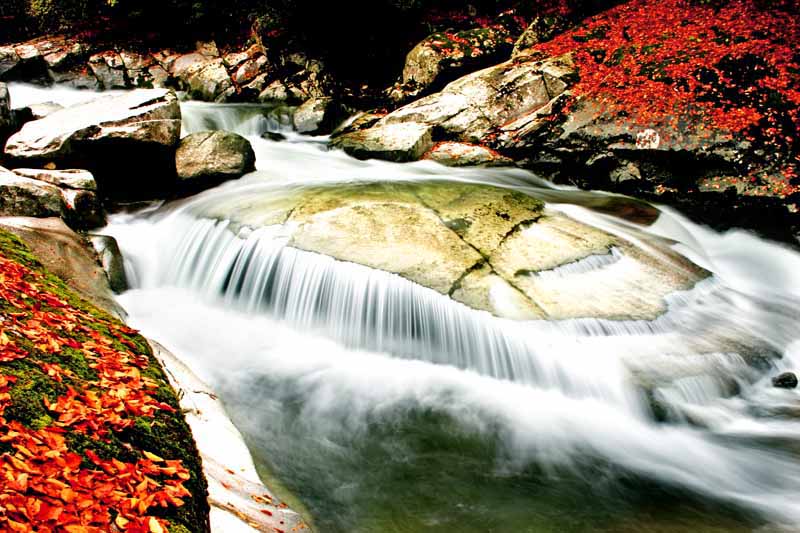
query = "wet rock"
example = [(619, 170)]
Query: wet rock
[(787, 380), (67, 255), (160, 77), (318, 116), (277, 91), (20, 196), (77, 78), (247, 71), (109, 70), (8, 60), (491, 248), (209, 157), (407, 141), (5, 110), (113, 263), (273, 136), (455, 154)]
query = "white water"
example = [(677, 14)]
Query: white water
[(351, 345)]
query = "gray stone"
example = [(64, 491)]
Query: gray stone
[(26, 197), (5, 108), (503, 100), (443, 55), (150, 116), (8, 59), (113, 263), (542, 29), (318, 116), (406, 141), (787, 380), (210, 156), (65, 179)]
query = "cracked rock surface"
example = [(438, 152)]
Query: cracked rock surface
[(490, 248)]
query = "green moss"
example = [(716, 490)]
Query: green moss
[(28, 393)]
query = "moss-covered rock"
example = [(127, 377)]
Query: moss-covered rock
[(84, 403)]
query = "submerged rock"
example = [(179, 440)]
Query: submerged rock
[(491, 248), (787, 380), (209, 157)]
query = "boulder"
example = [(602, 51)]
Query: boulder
[(9, 59), (454, 154), (208, 157), (318, 116), (208, 80), (20, 196), (113, 263), (83, 208), (67, 255), (393, 142), (474, 109), (443, 57), (247, 71), (65, 179), (491, 248), (147, 116), (787, 380), (126, 141)]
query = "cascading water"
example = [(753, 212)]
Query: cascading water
[(387, 406)]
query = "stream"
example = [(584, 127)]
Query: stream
[(380, 405)]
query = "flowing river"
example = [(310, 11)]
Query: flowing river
[(385, 406)]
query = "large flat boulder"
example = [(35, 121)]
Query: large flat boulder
[(490, 248), (150, 116)]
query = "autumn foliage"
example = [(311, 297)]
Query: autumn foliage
[(729, 69), (89, 382)]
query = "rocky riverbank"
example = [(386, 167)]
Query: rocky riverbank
[(696, 107)]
